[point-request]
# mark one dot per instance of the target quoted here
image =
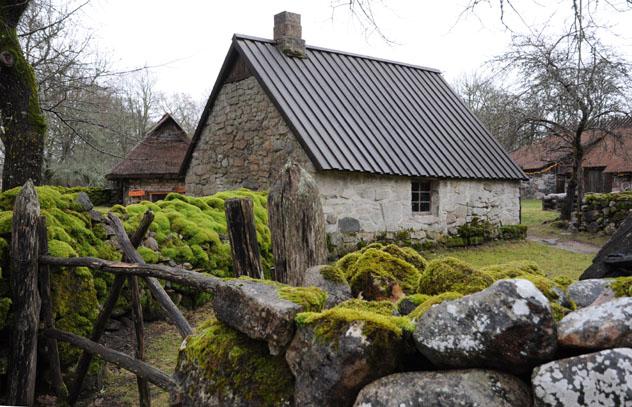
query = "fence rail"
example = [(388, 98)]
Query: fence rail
[(30, 285)]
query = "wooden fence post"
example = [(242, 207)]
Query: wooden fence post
[(240, 222), (25, 297), (144, 396), (297, 225), (49, 346)]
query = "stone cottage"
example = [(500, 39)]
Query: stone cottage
[(152, 168), (390, 145)]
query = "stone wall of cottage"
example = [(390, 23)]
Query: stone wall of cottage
[(244, 143), (538, 185), (360, 206)]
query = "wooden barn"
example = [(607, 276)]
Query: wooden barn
[(151, 170)]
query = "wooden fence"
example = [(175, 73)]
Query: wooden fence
[(31, 267)]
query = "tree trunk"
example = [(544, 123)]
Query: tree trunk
[(242, 232), (22, 124), (297, 225)]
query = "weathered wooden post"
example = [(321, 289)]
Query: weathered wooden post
[(49, 346), (297, 225), (144, 397), (25, 297), (240, 222)]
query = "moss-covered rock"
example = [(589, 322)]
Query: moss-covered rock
[(408, 304), (451, 274), (375, 273), (218, 365), (429, 302), (407, 254), (622, 286)]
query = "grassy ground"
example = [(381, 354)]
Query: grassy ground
[(553, 261), (539, 223)]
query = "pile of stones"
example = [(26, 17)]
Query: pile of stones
[(498, 347)]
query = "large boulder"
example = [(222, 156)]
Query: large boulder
[(444, 389), (595, 379), (602, 326), (585, 292), (337, 352), (619, 244), (331, 280), (219, 366), (508, 326), (264, 310)]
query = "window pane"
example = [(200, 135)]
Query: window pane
[(424, 186), (425, 206), (424, 196), (415, 206), (415, 196), (415, 186)]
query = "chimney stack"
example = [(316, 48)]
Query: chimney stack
[(287, 34)]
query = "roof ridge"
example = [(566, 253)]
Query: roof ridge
[(350, 54)]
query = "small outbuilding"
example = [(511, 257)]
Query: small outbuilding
[(390, 145), (151, 169)]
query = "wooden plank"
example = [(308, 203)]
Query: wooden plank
[(46, 314), (108, 306), (144, 396), (156, 289), (25, 297), (240, 221), (297, 225), (190, 278), (120, 359)]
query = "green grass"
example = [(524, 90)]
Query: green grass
[(539, 223), (553, 261)]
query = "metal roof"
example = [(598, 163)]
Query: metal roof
[(363, 114)]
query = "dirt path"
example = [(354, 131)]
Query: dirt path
[(569, 245)]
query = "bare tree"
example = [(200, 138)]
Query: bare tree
[(22, 124), (184, 109), (580, 87)]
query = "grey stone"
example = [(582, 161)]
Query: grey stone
[(585, 292), (84, 201), (348, 225), (330, 371), (337, 292), (256, 310), (507, 326), (594, 379), (619, 243), (603, 326), (152, 244), (485, 388)]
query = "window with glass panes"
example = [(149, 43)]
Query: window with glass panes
[(421, 196)]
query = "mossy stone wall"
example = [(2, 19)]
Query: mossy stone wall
[(604, 212)]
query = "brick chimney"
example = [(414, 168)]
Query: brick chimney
[(287, 34)]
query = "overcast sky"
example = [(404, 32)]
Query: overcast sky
[(188, 39)]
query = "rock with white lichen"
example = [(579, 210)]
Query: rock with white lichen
[(508, 326), (472, 387), (585, 292), (603, 326), (595, 379), (331, 280), (338, 351)]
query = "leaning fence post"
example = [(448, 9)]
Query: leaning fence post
[(242, 233), (50, 344), (297, 225), (25, 297)]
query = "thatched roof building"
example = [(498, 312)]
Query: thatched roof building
[(152, 169)]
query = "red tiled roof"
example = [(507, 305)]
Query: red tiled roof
[(158, 155)]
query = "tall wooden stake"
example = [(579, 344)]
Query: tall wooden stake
[(25, 297), (297, 225), (139, 330), (49, 344), (240, 221)]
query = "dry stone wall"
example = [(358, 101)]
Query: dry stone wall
[(605, 212)]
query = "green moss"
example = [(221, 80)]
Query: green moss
[(310, 298), (451, 274), (512, 269), (234, 363), (375, 273), (407, 254), (429, 302), (149, 255), (414, 298), (379, 307), (622, 286), (333, 274), (559, 311), (512, 232), (332, 322)]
